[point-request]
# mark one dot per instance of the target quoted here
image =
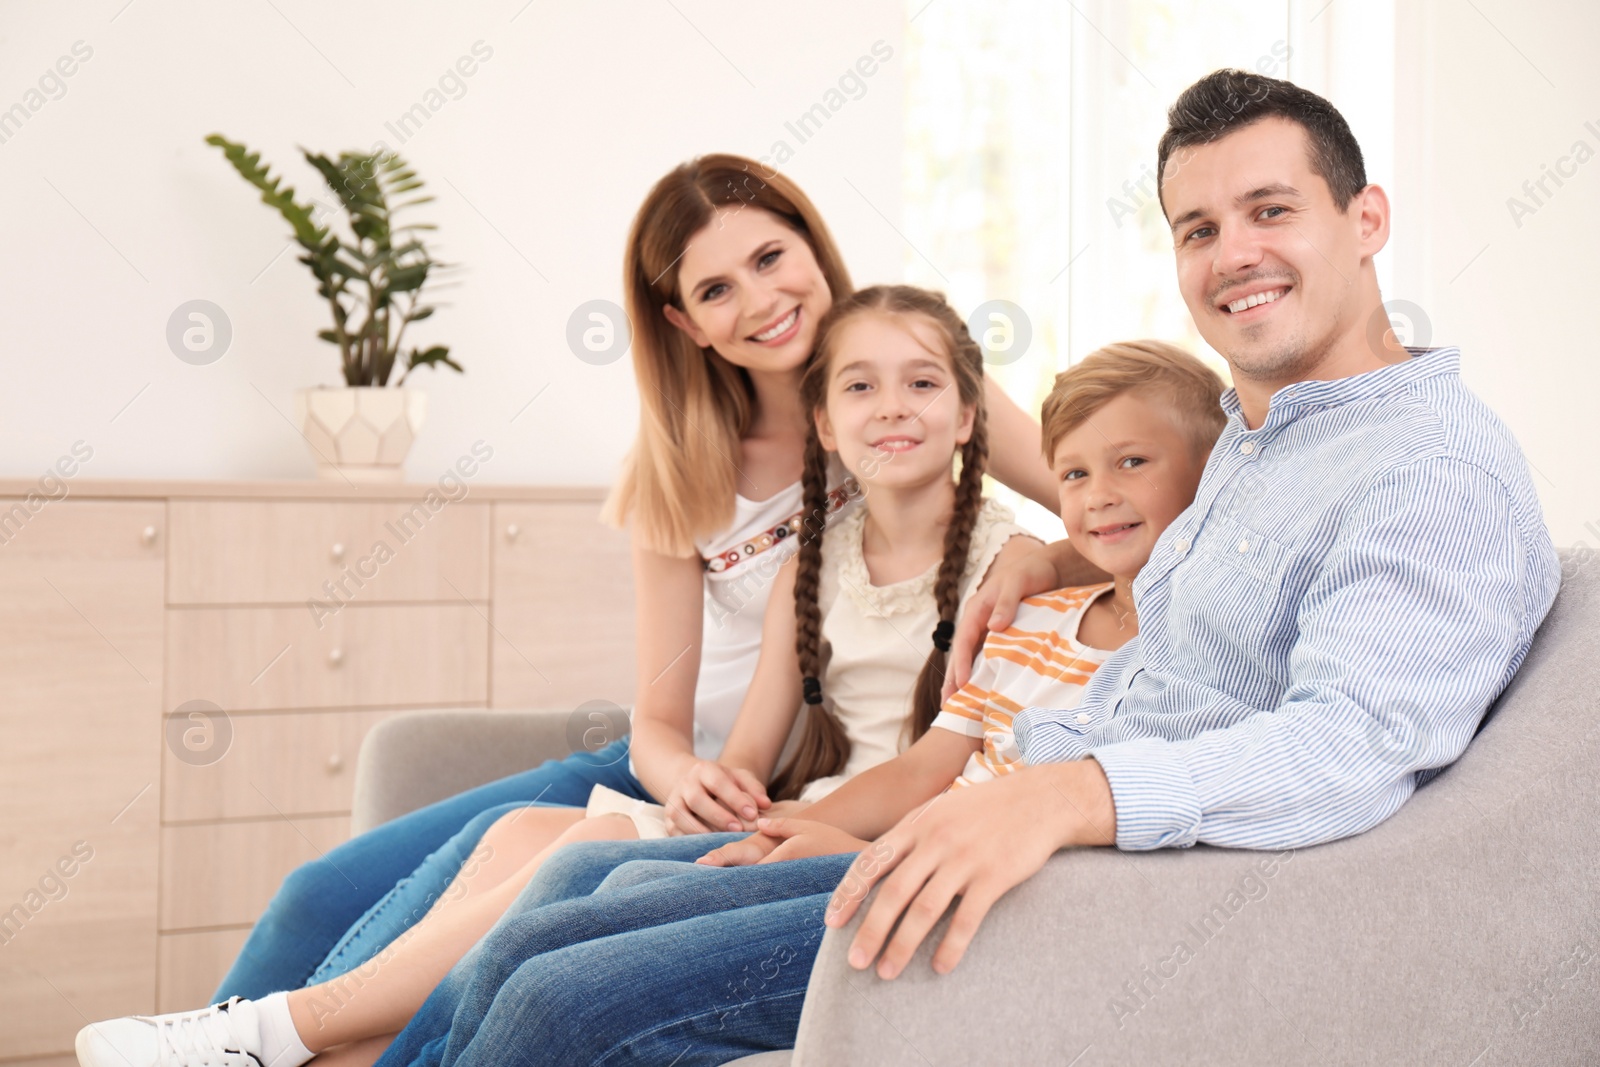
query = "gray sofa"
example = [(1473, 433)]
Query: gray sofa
[(1465, 930)]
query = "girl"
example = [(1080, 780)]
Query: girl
[(857, 629), (729, 267)]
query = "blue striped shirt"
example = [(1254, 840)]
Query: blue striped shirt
[(1325, 626)]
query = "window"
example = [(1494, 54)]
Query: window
[(1031, 130)]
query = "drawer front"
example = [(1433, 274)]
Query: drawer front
[(563, 607), (192, 966), (223, 874), (291, 551), (294, 764), (255, 659)]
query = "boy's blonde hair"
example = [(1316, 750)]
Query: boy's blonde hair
[(1152, 367)]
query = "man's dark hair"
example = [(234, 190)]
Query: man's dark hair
[(1228, 100)]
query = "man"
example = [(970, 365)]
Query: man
[(1359, 577)]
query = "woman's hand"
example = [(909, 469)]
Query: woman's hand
[(711, 798), (993, 606)]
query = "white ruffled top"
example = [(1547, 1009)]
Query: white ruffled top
[(877, 637)]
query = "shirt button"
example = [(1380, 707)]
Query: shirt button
[(1181, 545), (1082, 718), (1247, 447), (1244, 546)]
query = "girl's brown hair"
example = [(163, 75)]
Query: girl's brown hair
[(679, 479), (824, 747)]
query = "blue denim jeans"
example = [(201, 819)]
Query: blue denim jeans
[(623, 952), (319, 902), (403, 906)]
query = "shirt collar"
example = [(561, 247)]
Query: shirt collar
[(1300, 398)]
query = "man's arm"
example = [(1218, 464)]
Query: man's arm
[(1413, 624), (977, 843)]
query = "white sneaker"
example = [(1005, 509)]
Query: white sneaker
[(223, 1035)]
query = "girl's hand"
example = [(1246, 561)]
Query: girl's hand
[(992, 608), (711, 798), (802, 838), (751, 850)]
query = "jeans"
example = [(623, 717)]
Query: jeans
[(403, 906), (321, 901), (623, 952)]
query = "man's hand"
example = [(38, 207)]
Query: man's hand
[(711, 797), (802, 838), (992, 607), (976, 843), (744, 853)]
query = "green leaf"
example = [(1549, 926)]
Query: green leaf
[(432, 357)]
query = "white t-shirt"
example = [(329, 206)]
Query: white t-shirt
[(741, 563)]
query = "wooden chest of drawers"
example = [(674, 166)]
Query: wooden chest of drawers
[(294, 616)]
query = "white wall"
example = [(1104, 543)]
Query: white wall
[(1487, 95), (117, 212)]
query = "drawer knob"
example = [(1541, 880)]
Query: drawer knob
[(335, 657), (148, 535), (338, 551), (512, 531), (335, 763)]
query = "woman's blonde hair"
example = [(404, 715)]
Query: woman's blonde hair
[(824, 746), (1193, 390), (678, 481)]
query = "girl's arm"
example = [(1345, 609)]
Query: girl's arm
[(870, 804), (873, 802)]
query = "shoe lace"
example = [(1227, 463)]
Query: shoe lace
[(201, 1039)]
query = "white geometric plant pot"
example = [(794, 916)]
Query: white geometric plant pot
[(360, 433)]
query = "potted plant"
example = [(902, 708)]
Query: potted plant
[(373, 285)]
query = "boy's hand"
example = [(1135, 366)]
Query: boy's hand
[(713, 798), (975, 843), (751, 850), (802, 838), (992, 607)]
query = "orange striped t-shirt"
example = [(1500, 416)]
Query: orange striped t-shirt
[(1036, 661)]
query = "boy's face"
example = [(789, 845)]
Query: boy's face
[(1250, 217), (1123, 476)]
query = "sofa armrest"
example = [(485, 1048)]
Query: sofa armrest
[(415, 758)]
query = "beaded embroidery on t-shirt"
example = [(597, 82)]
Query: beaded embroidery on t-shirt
[(837, 498)]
